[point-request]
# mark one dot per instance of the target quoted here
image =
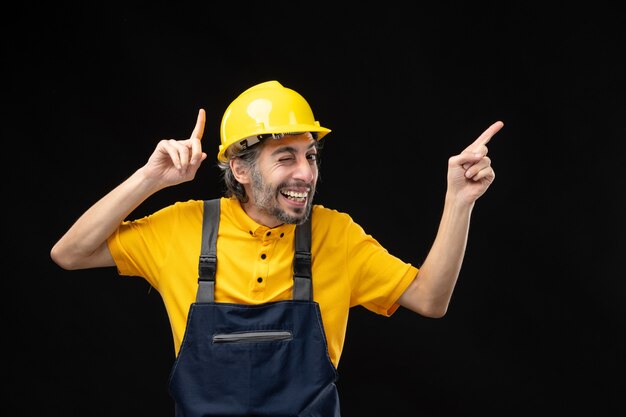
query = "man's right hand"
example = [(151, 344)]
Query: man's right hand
[(177, 161)]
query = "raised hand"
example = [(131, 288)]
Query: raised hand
[(470, 172), (177, 161)]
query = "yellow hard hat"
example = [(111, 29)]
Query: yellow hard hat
[(266, 108)]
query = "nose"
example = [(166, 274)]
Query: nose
[(305, 170)]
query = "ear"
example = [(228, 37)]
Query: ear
[(239, 170)]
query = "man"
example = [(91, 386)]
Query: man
[(258, 284)]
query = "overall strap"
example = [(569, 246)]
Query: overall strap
[(208, 253), (302, 276)]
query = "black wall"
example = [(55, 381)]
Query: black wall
[(537, 321)]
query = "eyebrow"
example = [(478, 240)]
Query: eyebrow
[(291, 149)]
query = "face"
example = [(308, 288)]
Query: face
[(282, 185)]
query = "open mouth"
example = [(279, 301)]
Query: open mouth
[(299, 197)]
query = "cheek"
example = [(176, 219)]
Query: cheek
[(316, 170)]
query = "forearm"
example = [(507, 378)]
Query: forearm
[(432, 289), (84, 244)]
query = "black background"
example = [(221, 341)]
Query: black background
[(537, 321)]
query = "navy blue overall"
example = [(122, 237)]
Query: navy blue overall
[(254, 360)]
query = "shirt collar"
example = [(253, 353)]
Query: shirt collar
[(244, 222)]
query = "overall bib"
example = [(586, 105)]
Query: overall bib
[(266, 359)]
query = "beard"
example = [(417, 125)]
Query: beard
[(266, 200)]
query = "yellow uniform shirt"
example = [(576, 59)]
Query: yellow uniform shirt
[(255, 263)]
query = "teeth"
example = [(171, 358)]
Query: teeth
[(295, 194)]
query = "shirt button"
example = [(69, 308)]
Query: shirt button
[(263, 256), (259, 279)]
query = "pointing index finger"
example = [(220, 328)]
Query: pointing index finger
[(198, 130), (485, 137)]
